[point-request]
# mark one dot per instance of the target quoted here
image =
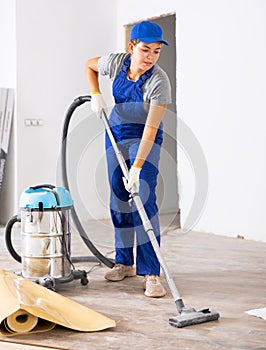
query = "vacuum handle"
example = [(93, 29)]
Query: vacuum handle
[(117, 151), (51, 187), (48, 187), (8, 240)]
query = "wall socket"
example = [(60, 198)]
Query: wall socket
[(33, 122)]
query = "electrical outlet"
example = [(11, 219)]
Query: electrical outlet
[(33, 122)]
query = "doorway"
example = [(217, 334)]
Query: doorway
[(167, 189)]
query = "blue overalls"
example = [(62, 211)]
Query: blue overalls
[(127, 121)]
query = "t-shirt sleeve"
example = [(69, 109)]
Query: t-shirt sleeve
[(160, 89), (110, 65)]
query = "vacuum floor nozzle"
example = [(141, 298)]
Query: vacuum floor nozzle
[(189, 317)]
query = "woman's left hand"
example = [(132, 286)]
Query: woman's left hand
[(133, 179)]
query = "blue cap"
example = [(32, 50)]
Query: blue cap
[(148, 32)]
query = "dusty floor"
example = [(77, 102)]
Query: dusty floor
[(224, 274)]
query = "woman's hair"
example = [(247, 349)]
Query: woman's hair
[(135, 41)]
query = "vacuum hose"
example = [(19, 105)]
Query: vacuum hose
[(76, 103), (9, 245)]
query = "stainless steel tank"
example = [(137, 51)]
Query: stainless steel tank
[(45, 231)]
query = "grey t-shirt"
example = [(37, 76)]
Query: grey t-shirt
[(156, 90)]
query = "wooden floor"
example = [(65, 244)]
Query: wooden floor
[(224, 274)]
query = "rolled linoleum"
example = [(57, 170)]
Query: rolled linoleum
[(27, 307)]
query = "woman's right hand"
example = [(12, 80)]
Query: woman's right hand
[(98, 103)]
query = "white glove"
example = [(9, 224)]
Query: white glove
[(133, 179), (97, 104)]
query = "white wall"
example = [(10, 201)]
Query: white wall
[(8, 43), (221, 84), (8, 80), (54, 40)]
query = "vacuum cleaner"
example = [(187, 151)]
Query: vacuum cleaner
[(45, 236), (45, 228)]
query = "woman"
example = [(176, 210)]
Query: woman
[(141, 91)]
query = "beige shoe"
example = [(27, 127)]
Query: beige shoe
[(119, 272), (153, 287)]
